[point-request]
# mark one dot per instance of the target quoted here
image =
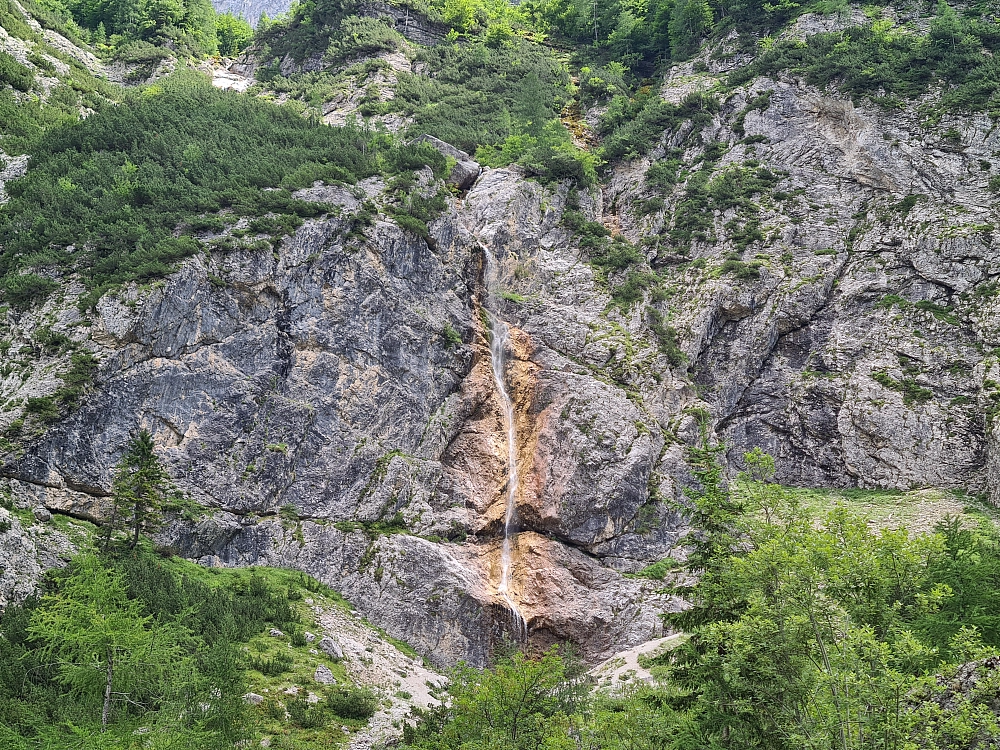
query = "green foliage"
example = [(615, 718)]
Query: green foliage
[(352, 703), (662, 175), (689, 22), (170, 632), (912, 392), (103, 648), (633, 288), (452, 338), (521, 703), (632, 126), (666, 337), (140, 487), (606, 252), (837, 628), (20, 290), (233, 34), (189, 26), (503, 101), (758, 103), (12, 73), (551, 156), (884, 63), (358, 37), (116, 186), (272, 666)]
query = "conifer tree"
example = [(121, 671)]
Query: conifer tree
[(140, 486), (98, 638)]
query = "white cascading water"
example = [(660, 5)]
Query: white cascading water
[(499, 348)]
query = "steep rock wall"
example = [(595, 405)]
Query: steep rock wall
[(315, 401)]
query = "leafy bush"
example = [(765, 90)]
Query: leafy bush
[(233, 34), (21, 289), (305, 714), (480, 96), (357, 37), (632, 127), (352, 703), (666, 337), (12, 73), (189, 26), (883, 63), (272, 666)]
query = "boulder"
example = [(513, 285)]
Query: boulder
[(466, 170), (324, 676), (331, 647)]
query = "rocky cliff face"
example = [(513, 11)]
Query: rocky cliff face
[(313, 400), (252, 10), (862, 353), (317, 401)]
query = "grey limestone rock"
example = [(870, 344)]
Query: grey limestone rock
[(331, 404), (324, 676), (330, 647), (466, 170)]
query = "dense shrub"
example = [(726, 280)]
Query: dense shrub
[(352, 703), (480, 96), (890, 64), (104, 197), (12, 73)]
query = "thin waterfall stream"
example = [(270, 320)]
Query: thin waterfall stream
[(499, 355)]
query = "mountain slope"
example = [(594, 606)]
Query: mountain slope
[(766, 262)]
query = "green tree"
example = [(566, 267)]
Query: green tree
[(234, 34), (102, 646), (140, 486), (690, 20), (522, 703)]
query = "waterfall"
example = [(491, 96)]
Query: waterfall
[(499, 353)]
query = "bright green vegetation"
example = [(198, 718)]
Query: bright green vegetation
[(810, 628), (497, 98), (139, 33), (914, 510), (131, 648), (500, 103), (104, 197), (233, 33), (179, 646), (890, 64), (136, 27), (632, 125), (26, 111), (520, 703)]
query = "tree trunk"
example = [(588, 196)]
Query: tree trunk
[(137, 526), (106, 713)]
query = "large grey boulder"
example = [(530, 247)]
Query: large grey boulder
[(466, 170)]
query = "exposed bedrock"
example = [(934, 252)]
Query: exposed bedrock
[(316, 399)]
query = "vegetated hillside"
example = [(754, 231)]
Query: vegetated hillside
[(127, 649), (782, 238)]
